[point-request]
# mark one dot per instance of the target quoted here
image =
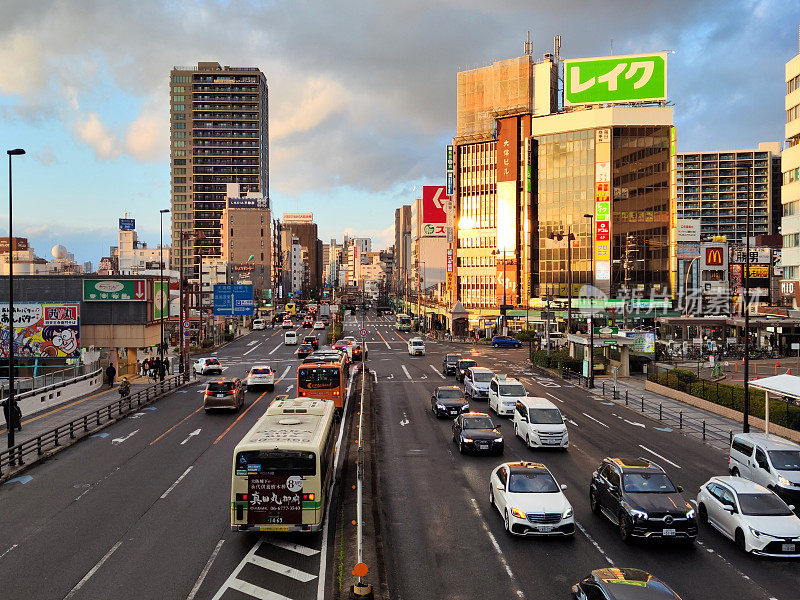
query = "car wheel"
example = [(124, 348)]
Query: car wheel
[(461, 448), (518, 346), (593, 503), (528, 440), (494, 345), (702, 514), (739, 539), (625, 527), (735, 472)]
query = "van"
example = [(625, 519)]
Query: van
[(416, 347), (768, 460), (259, 324), (504, 394), (540, 424), (290, 338)]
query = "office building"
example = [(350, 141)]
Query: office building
[(304, 229), (402, 248), (137, 258), (711, 189), (790, 191), (246, 238), (218, 135)]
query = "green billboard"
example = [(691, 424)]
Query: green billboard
[(114, 290), (608, 79)]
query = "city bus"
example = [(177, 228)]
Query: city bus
[(402, 323), (283, 467), (291, 308), (325, 381)]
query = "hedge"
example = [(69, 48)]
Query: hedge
[(729, 396), (559, 359)]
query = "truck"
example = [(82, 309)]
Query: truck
[(324, 310)]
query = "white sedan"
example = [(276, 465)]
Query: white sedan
[(261, 375), (530, 501), (751, 515), (319, 325), (287, 324)]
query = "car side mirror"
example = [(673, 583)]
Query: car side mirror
[(729, 508), (563, 486), (791, 507), (501, 487), (679, 488)]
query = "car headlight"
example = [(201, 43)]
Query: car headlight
[(567, 513), (466, 439), (690, 513), (441, 406), (518, 513), (638, 514), (756, 532), (499, 440), (465, 407), (783, 481)]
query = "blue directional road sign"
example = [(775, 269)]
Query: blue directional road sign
[(233, 299)]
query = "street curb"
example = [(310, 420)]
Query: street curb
[(71, 442)]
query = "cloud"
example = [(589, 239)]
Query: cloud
[(46, 156), (147, 138), (21, 64), (92, 132)]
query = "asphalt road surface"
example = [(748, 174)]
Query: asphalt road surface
[(142, 510), (445, 541)]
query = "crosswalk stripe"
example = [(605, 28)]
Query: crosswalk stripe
[(254, 590), (304, 550), (277, 567)]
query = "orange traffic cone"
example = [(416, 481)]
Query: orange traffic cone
[(777, 362), (788, 371)]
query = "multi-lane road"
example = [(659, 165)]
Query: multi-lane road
[(142, 509), (445, 541)]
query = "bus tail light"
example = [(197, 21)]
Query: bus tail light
[(335, 392), (240, 498), (309, 497)]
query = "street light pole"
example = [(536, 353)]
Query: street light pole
[(11, 403), (591, 303), (162, 212), (746, 306)]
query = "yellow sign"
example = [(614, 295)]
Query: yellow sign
[(449, 282), (602, 250)]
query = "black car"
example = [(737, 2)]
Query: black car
[(622, 583), (304, 350), (448, 401), (475, 432), (639, 497), (313, 340), (450, 363), (461, 367)]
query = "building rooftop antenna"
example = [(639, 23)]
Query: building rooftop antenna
[(528, 45)]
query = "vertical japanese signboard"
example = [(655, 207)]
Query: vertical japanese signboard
[(608, 79), (160, 299), (602, 205)]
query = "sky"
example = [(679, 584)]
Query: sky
[(362, 94)]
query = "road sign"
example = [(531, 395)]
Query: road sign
[(127, 224), (606, 330), (114, 290), (235, 299), (186, 324), (363, 333)]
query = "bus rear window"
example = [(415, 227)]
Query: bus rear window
[(295, 462), (318, 378)]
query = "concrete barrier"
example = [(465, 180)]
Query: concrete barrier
[(35, 401)]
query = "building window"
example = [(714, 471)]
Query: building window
[(178, 107), (179, 161), (181, 79), (180, 134), (262, 257), (179, 126), (179, 198), (180, 171), (179, 188), (179, 143), (178, 98), (180, 116), (178, 89), (179, 180)]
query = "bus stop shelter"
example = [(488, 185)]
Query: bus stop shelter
[(785, 386)]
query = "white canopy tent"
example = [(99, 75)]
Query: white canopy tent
[(786, 385)]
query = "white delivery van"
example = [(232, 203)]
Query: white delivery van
[(290, 338), (539, 423)]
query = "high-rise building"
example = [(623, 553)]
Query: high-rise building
[(402, 247), (218, 135), (790, 191), (304, 229), (711, 189)]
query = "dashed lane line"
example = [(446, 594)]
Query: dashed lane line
[(405, 371), (646, 449), (595, 420), (201, 578), (594, 543), (438, 372), (177, 481), (92, 571), (497, 549)]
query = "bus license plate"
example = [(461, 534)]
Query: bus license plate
[(787, 547), (668, 532), (274, 520)]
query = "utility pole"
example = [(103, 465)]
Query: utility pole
[(746, 305)]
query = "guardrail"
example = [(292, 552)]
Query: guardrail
[(25, 385), (657, 410), (86, 424)]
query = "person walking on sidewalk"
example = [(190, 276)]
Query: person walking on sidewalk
[(13, 417), (111, 373), (124, 388), (145, 367)]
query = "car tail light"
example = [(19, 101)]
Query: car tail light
[(209, 392), (231, 392), (309, 497)]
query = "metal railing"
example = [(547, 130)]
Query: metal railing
[(86, 424), (24, 385)]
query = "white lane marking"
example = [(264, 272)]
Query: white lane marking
[(277, 567), (137, 415), (573, 422), (253, 590), (634, 423), (497, 549), (205, 571), (177, 481), (275, 349), (405, 371), (92, 571), (251, 349), (438, 372), (9, 550), (595, 420), (554, 397), (646, 449), (117, 441), (297, 548), (195, 432), (594, 543), (290, 387), (285, 371)]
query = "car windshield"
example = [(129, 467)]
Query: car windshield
[(545, 416), (512, 389), (466, 364), (478, 423), (417, 343), (785, 460), (260, 371), (305, 347), (646, 483), (763, 505), (532, 483), (449, 394), (451, 359), (482, 377)]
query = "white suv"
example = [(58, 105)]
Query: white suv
[(768, 460), (504, 394), (540, 424), (261, 375)]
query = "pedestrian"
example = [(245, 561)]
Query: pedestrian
[(14, 419), (145, 367), (166, 364), (111, 373), (162, 370), (124, 388)]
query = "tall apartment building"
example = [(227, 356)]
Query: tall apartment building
[(713, 190), (218, 135), (402, 247), (790, 191), (303, 227)]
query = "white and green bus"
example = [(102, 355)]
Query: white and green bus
[(403, 323), (282, 468)]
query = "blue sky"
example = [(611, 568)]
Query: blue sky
[(362, 94)]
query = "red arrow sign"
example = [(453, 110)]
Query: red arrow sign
[(139, 289)]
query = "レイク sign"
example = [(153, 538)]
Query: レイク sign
[(608, 79)]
